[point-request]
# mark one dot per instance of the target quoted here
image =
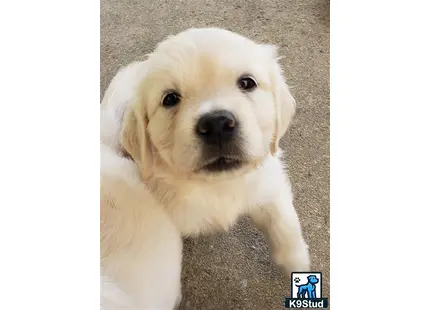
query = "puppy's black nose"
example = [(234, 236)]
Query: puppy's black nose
[(217, 127)]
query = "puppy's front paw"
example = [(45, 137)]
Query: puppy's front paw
[(293, 259)]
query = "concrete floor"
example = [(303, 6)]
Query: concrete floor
[(234, 270)]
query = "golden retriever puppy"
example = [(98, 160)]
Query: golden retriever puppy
[(201, 120), (141, 249)]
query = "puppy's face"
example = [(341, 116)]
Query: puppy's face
[(212, 103)]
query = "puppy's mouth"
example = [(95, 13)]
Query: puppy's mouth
[(222, 163)]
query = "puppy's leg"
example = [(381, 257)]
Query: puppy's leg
[(278, 220)]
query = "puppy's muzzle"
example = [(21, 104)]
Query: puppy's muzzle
[(219, 133), (217, 128)]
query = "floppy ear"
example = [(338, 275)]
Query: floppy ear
[(117, 98), (285, 104), (134, 139)]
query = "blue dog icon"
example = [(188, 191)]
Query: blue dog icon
[(308, 288)]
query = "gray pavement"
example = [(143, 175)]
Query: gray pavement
[(234, 270)]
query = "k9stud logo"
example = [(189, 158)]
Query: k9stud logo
[(306, 291)]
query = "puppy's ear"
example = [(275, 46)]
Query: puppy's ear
[(134, 139), (285, 104)]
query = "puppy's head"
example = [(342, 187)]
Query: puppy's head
[(212, 103)]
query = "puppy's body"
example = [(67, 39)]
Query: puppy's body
[(203, 206), (204, 177), (140, 247)]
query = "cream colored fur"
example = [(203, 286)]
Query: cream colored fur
[(141, 249), (165, 192)]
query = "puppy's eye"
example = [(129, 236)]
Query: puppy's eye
[(171, 99), (247, 83)]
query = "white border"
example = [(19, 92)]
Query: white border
[(49, 164), (380, 141)]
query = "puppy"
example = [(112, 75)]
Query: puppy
[(141, 249), (201, 121)]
